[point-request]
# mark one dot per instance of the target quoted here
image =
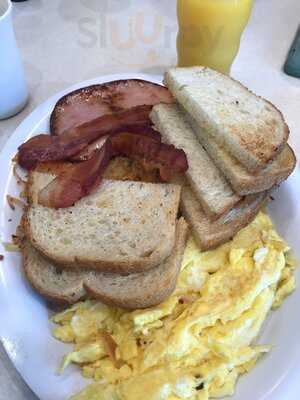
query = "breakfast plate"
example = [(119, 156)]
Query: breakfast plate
[(25, 329)]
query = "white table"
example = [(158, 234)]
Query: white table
[(66, 41)]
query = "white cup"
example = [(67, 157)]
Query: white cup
[(13, 88)]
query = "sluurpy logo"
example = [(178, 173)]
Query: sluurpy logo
[(126, 25), (132, 33)]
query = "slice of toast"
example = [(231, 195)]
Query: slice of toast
[(250, 128), (209, 184), (144, 289), (208, 234), (138, 290), (167, 119), (123, 227), (242, 181), (60, 286)]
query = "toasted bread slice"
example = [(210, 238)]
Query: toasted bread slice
[(124, 227), (209, 184), (250, 128), (242, 181), (134, 291), (57, 285), (144, 289), (208, 234)]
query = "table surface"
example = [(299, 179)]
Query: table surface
[(63, 42)]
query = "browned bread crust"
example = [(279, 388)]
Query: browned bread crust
[(251, 128), (131, 292), (210, 234)]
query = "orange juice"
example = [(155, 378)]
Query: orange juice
[(210, 31)]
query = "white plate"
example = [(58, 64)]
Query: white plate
[(24, 324)]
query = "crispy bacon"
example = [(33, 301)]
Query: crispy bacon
[(44, 148), (88, 103), (90, 150), (78, 181), (82, 178)]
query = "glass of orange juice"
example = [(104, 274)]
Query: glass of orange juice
[(210, 31)]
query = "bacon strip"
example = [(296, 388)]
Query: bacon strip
[(44, 148), (90, 150), (78, 181), (81, 179)]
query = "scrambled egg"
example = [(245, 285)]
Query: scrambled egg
[(194, 345)]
